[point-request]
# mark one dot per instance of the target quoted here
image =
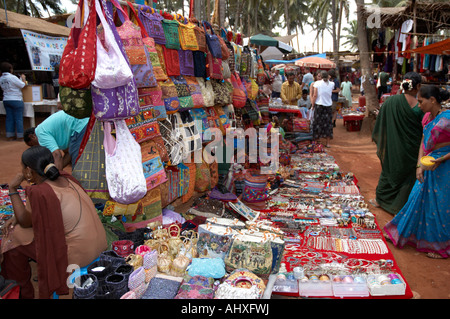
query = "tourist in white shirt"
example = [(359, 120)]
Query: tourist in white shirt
[(276, 84), (323, 124), (12, 101)]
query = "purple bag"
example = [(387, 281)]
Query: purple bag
[(152, 23), (120, 102), (186, 62)]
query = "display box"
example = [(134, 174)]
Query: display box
[(350, 286), (315, 288), (394, 285), (286, 286), (32, 93)]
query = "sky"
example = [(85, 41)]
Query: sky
[(306, 40)]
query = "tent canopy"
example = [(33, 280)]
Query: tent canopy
[(437, 48), (272, 53), (263, 40)]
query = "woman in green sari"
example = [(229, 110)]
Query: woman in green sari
[(398, 133)]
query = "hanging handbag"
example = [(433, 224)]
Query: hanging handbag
[(207, 91), (186, 59), (120, 102), (173, 142), (143, 126), (199, 58), (200, 119), (171, 61), (76, 102), (152, 22), (79, 58), (123, 159), (152, 98), (224, 49), (186, 31), (112, 69), (191, 188), (150, 47), (212, 40), (194, 138), (200, 36), (195, 91), (226, 70), (170, 27), (239, 97), (250, 252), (213, 67), (184, 95), (170, 96), (221, 92), (246, 62)]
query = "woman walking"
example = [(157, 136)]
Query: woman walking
[(12, 101), (323, 124), (424, 221), (397, 134)]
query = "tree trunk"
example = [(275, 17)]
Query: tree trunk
[(222, 10), (256, 17), (334, 33), (363, 46), (339, 24), (237, 15)]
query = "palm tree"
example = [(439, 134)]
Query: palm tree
[(33, 7), (352, 35)]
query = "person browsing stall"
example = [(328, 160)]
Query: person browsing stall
[(290, 90), (57, 227), (12, 101), (61, 134)]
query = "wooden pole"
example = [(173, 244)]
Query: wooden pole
[(414, 42)]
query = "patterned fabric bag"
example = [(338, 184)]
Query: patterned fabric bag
[(186, 30), (213, 67), (76, 102), (137, 54), (152, 97), (301, 125), (196, 287), (186, 59), (195, 91), (202, 177), (184, 95), (153, 167), (152, 22), (250, 252), (171, 61), (143, 126), (126, 181), (191, 138), (221, 93), (170, 27), (191, 188), (255, 188), (239, 97), (170, 96), (246, 62), (89, 169), (214, 240), (200, 119), (200, 36), (212, 40), (199, 58), (79, 58), (173, 142)]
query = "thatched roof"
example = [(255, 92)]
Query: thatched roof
[(430, 16), (20, 21)]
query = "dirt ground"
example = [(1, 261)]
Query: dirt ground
[(354, 152)]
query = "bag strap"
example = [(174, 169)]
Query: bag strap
[(109, 143), (141, 26), (206, 26), (146, 9), (123, 16)]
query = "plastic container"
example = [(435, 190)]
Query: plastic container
[(315, 288), (286, 285), (426, 163), (391, 284), (350, 286)]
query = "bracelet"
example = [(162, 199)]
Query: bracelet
[(14, 193), (418, 165)]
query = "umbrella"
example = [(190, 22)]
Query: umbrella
[(316, 62), (263, 40)]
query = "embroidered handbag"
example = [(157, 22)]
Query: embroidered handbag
[(212, 40), (213, 67), (195, 91), (202, 177), (194, 139), (241, 284), (250, 252), (199, 58), (246, 62), (123, 159), (79, 58), (186, 59), (184, 95), (254, 192), (170, 27), (171, 61), (191, 188), (221, 92), (137, 54), (170, 96), (161, 147), (143, 126), (196, 287), (239, 97), (186, 30), (301, 125), (232, 59), (200, 119), (214, 241), (152, 22), (207, 91), (112, 69), (226, 69), (152, 165), (173, 141), (224, 48), (152, 98), (76, 102), (120, 102), (200, 36)]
